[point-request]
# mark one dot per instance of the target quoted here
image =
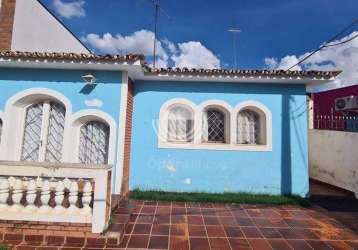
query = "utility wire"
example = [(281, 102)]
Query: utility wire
[(346, 41), (335, 37)]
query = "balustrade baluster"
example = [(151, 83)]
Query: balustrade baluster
[(31, 196), (67, 183), (4, 193), (86, 198), (12, 181), (17, 194), (73, 197), (45, 197), (59, 197)]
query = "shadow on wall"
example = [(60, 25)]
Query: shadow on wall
[(286, 172), (58, 75), (88, 88)]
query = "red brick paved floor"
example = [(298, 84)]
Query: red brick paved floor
[(175, 225)]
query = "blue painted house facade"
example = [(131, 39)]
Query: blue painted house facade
[(275, 165), (162, 129)]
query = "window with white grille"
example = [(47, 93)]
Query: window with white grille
[(55, 132), (214, 126), (248, 127), (93, 145), (180, 124), (43, 132)]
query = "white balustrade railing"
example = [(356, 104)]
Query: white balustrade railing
[(27, 189), (55, 193)]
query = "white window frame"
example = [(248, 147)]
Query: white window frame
[(230, 129), (14, 115), (191, 116), (83, 117), (258, 121), (162, 130), (265, 133), (106, 140), (227, 122), (44, 127)]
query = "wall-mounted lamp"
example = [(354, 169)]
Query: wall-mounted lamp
[(89, 79)]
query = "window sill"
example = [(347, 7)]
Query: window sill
[(216, 146)]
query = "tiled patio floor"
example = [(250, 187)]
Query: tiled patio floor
[(218, 226), (172, 225)]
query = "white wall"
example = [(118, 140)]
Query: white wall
[(333, 158), (35, 29)]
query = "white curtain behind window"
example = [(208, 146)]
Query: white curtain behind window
[(180, 125), (248, 125), (94, 140)]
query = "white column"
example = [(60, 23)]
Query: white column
[(99, 203)]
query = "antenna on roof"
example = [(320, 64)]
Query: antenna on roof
[(235, 32), (157, 9)]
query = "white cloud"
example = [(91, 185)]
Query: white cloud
[(70, 9), (138, 42), (195, 55), (342, 57), (94, 103), (170, 46), (284, 63), (190, 54), (187, 181)]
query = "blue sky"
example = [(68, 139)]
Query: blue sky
[(270, 28)]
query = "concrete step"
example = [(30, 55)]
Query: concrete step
[(119, 220)]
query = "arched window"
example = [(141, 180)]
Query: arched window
[(94, 140), (180, 124), (248, 127), (214, 125), (43, 132), (251, 126)]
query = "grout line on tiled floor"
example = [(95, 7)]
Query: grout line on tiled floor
[(204, 224), (134, 224), (227, 238), (243, 233), (186, 210), (151, 228)]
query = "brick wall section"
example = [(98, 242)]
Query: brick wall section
[(7, 13), (127, 140)]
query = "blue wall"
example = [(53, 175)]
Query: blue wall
[(282, 170), (70, 84)]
